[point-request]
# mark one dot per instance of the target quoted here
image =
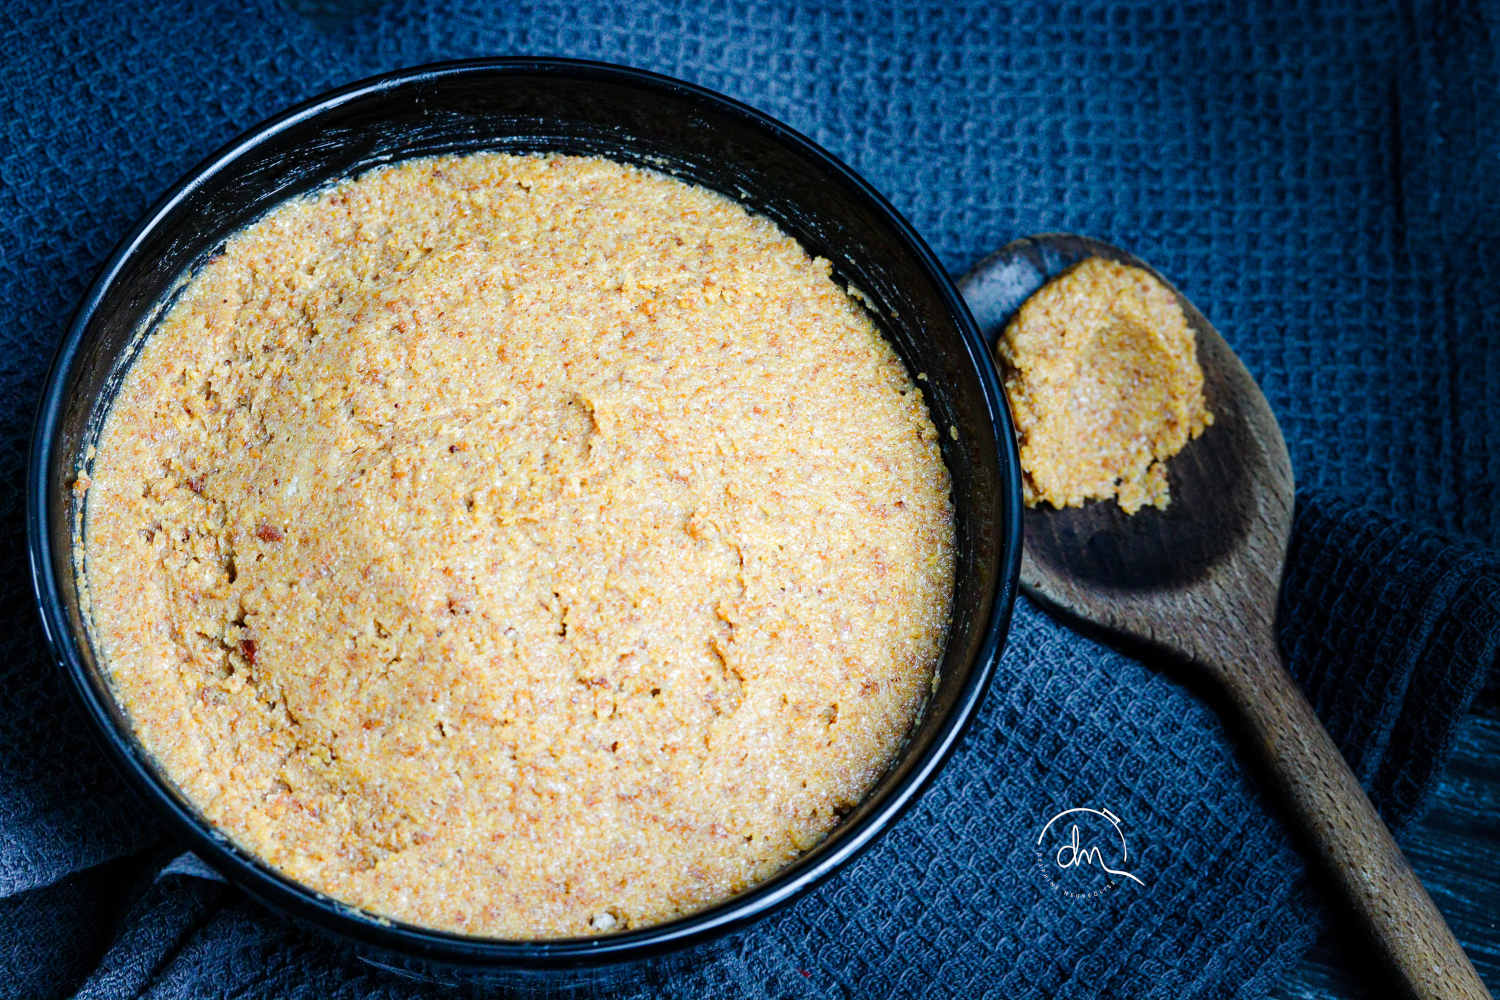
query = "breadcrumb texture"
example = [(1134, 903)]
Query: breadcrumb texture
[(519, 546), (1102, 372)]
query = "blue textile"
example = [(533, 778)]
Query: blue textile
[(1320, 178)]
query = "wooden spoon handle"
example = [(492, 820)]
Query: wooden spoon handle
[(1356, 847)]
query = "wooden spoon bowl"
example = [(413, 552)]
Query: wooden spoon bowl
[(1198, 583)]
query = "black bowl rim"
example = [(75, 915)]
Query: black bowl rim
[(283, 895)]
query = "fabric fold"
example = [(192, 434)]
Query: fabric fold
[(182, 897), (1370, 606)]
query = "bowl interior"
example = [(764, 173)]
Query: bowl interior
[(523, 106)]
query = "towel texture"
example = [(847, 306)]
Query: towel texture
[(1317, 177)]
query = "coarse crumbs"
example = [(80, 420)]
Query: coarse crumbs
[(521, 546), (1101, 369)]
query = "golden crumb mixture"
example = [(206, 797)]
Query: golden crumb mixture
[(520, 546), (1102, 373)]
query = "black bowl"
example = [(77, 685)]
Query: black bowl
[(578, 107)]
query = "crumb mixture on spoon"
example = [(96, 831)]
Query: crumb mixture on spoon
[(1101, 369)]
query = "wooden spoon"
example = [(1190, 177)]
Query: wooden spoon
[(1199, 582)]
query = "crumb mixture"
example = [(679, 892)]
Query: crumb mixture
[(519, 546), (1102, 373)]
